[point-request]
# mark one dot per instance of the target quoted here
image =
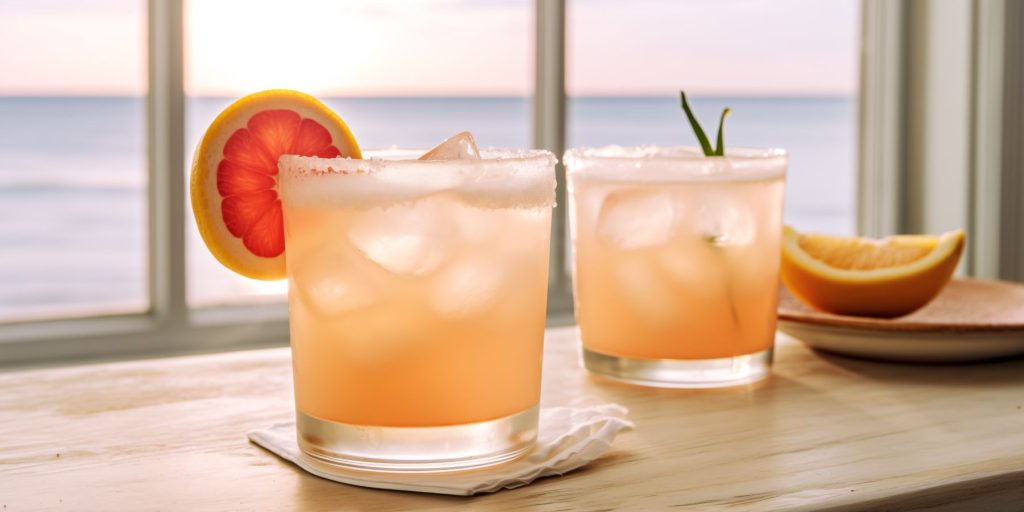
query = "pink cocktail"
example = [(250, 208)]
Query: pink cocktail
[(417, 305), (676, 262)]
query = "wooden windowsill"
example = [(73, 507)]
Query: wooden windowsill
[(823, 433)]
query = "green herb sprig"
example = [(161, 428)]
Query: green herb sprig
[(713, 239), (705, 144)]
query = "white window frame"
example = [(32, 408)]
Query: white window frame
[(941, 120), (892, 163), (170, 326)]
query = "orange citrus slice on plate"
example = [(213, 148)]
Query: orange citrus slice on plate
[(886, 278), (234, 174)]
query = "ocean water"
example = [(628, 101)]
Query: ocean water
[(73, 180)]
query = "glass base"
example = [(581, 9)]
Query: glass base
[(344, 447), (681, 373)]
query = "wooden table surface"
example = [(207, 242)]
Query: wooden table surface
[(824, 433)]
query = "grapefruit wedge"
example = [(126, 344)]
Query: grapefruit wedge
[(884, 278), (234, 174)]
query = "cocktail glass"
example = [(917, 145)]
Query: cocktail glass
[(417, 294), (676, 262)]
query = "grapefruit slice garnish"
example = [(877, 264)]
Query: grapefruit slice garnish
[(890, 277), (234, 174)]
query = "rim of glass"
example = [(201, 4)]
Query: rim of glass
[(403, 157), (667, 154)]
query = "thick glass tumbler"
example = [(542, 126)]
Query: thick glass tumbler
[(676, 262), (417, 294)]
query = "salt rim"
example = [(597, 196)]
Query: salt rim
[(651, 163), (502, 178)]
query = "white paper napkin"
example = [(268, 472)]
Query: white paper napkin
[(567, 438)]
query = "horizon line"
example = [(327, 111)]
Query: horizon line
[(460, 97)]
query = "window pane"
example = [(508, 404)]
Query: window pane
[(788, 69), (406, 73), (72, 158)]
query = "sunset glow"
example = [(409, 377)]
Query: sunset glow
[(398, 47), (437, 47)]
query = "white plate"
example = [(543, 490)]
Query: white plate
[(908, 346), (971, 320)]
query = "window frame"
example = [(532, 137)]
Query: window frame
[(919, 175), (170, 326), (886, 120)]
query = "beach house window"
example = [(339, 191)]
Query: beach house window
[(72, 159), (98, 253), (473, 66)]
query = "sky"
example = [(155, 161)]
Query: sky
[(438, 47)]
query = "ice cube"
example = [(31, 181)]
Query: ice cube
[(637, 219), (409, 240), (724, 220), (460, 146), (331, 295), (331, 283), (468, 286), (644, 285), (682, 264)]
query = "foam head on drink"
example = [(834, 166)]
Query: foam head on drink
[(417, 287)]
